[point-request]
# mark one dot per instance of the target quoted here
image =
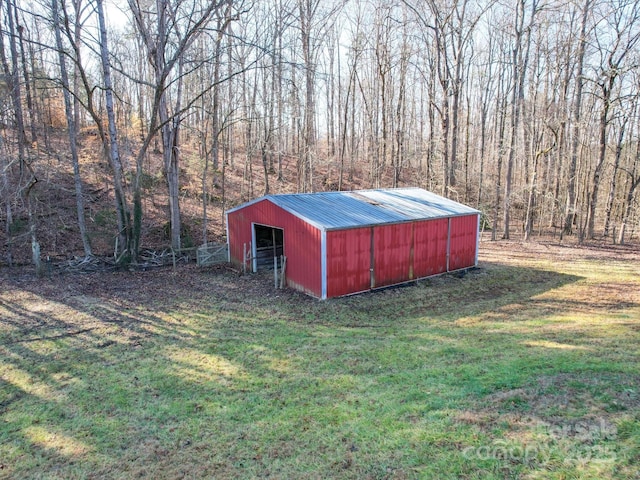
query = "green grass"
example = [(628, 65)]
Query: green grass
[(525, 368)]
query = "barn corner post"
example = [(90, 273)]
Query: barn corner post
[(448, 245), (323, 267), (477, 242), (226, 226)]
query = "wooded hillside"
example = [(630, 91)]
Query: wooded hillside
[(137, 124)]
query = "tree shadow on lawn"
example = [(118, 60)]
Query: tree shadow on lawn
[(520, 352), (70, 353), (125, 364), (447, 297), (149, 370)]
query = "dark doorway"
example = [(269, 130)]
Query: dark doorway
[(269, 243)]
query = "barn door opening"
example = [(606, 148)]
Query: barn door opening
[(268, 242)]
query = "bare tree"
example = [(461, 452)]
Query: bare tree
[(12, 76), (622, 21), (520, 61), (25, 75), (167, 41), (614, 175), (570, 205), (125, 248), (634, 183), (72, 129), (27, 179)]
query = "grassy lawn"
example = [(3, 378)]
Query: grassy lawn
[(528, 367)]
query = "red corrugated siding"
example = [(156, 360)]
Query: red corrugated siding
[(463, 243), (239, 232), (392, 246), (402, 252), (348, 261), (301, 242), (430, 247), (302, 248)]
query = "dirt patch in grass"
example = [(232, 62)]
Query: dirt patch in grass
[(571, 395)]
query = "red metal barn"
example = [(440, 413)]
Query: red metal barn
[(340, 243)]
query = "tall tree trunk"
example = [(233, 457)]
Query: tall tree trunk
[(307, 10), (215, 104), (485, 97), (77, 38), (401, 108), (331, 100), (445, 143), (71, 130), (520, 60), (614, 178), (431, 113), (592, 205), (343, 140), (164, 54), (13, 82), (216, 131), (500, 125), (123, 251), (533, 188), (628, 206), (570, 207), (278, 91), (26, 171), (5, 168), (384, 116), (25, 74), (170, 141), (265, 165)]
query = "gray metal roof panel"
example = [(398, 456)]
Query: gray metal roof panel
[(336, 210), (417, 203)]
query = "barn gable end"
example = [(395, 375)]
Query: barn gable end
[(301, 242)]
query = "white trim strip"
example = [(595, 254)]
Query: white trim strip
[(254, 252), (477, 241), (226, 215), (448, 241), (323, 263)]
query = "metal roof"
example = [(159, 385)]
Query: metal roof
[(361, 208)]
